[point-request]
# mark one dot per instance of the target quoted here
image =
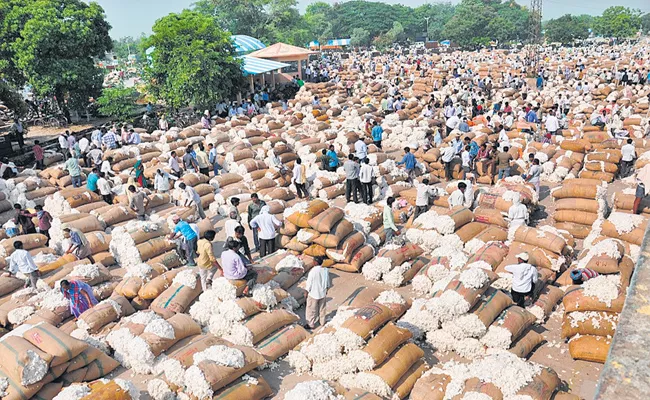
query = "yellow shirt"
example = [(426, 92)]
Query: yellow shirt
[(206, 254)]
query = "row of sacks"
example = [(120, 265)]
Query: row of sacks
[(39, 359), (578, 204), (362, 347)]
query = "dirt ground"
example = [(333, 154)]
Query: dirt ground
[(578, 377)]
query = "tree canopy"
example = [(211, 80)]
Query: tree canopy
[(194, 61), (619, 22), (567, 28), (118, 102), (50, 44)]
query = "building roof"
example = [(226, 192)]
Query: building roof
[(281, 50), (244, 44), (254, 66)]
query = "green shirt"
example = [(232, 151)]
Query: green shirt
[(72, 165), (389, 219)]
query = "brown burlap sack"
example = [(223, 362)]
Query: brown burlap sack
[(398, 364), (492, 253), (279, 343), (598, 323), (183, 325), (157, 285), (243, 390), (15, 358), (325, 221), (542, 386), (175, 299), (263, 324), (526, 343), (219, 376), (475, 385), (575, 300), (404, 386), (389, 338), (368, 319), (49, 339), (430, 387)]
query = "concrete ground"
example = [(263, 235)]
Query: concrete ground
[(578, 377)]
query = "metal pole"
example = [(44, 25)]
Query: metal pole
[(427, 36)]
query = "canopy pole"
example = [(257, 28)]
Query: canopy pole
[(252, 84), (300, 69)]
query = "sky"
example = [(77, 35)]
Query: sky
[(132, 17)]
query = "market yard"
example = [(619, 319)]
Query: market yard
[(488, 255)]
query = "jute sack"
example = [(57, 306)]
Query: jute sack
[(542, 386), (86, 224), (575, 216), (101, 366), (416, 266), (398, 364), (603, 264), (587, 190), (16, 354), (49, 391), (90, 207), (325, 221), (361, 256), (575, 300), (301, 218), (106, 391), (9, 284), (175, 299), (346, 247), (184, 326), (548, 299), (354, 394), (516, 320), (157, 285), (470, 231), (526, 343), (578, 231), (492, 253), (604, 176), (84, 358), (490, 216), (49, 339), (471, 295), (430, 387), (101, 315), (219, 376), (147, 232), (545, 240), (16, 391), (289, 229), (129, 287), (362, 296), (336, 235), (243, 390), (295, 245), (307, 236), (263, 324), (597, 323), (404, 386), (154, 247), (279, 343), (83, 198), (30, 241), (368, 319), (183, 351), (587, 205), (405, 253), (635, 236), (315, 250), (114, 214), (475, 385), (493, 233), (389, 338)]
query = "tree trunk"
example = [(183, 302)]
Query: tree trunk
[(60, 99)]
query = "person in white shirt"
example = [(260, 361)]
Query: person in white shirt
[(524, 277), (95, 155), (447, 155), (104, 187), (318, 282), (452, 123), (161, 181), (423, 193), (534, 174), (457, 198), (504, 140), (628, 154), (300, 178), (267, 225), (365, 177), (469, 192), (552, 124), (518, 213), (509, 121), (106, 167), (361, 149), (63, 145), (231, 224), (173, 164), (466, 163), (21, 261), (192, 199)]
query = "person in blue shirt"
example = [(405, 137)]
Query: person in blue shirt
[(334, 159), (377, 134), (463, 126), (532, 116), (473, 148), (190, 239), (409, 163), (540, 81), (91, 181)]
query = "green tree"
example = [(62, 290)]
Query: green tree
[(317, 19), (118, 102), (12, 100), (123, 47), (50, 44), (619, 22), (645, 22), (360, 37), (193, 61), (396, 33), (468, 26), (566, 29), (439, 14)]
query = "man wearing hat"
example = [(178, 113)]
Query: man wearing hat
[(524, 277)]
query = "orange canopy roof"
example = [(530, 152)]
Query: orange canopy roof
[(281, 50)]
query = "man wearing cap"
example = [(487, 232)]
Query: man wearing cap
[(582, 275), (524, 277)]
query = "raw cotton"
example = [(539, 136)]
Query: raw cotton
[(90, 271), (289, 263), (465, 326), (51, 299), (298, 361), (222, 355), (390, 297), (97, 343), (34, 370), (4, 384), (263, 294), (322, 347), (375, 268), (196, 384), (159, 390), (311, 390), (240, 335), (161, 328), (141, 270), (395, 277), (143, 317), (370, 382), (603, 287), (19, 315), (497, 337), (473, 278), (349, 340), (173, 370), (186, 277), (73, 392), (128, 387), (428, 240), (625, 223)]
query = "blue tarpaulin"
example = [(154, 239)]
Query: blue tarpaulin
[(254, 65)]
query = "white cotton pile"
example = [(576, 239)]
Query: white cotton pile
[(342, 315), (451, 247), (141, 270), (476, 396), (142, 317), (298, 207), (264, 295), (625, 223), (196, 384), (56, 205), (4, 384), (425, 221), (427, 240), (89, 271), (239, 334), (311, 390), (348, 339), (19, 315), (370, 382), (128, 387), (173, 371), (34, 369), (473, 246), (76, 391), (497, 337), (606, 247), (473, 278), (95, 341), (45, 258), (375, 268), (604, 287), (222, 355), (289, 263), (390, 297), (465, 326), (50, 299), (187, 277), (395, 278), (161, 328)]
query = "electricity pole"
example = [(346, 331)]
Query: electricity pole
[(427, 18), (535, 30)]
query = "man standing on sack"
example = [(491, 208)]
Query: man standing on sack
[(524, 278)]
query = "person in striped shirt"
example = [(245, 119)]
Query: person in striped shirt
[(581, 275)]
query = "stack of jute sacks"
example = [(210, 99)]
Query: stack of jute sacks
[(578, 204), (363, 348), (42, 358), (117, 389)]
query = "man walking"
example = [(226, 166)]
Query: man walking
[(190, 238), (254, 209), (352, 169), (318, 282)]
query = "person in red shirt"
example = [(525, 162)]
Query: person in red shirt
[(38, 155)]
